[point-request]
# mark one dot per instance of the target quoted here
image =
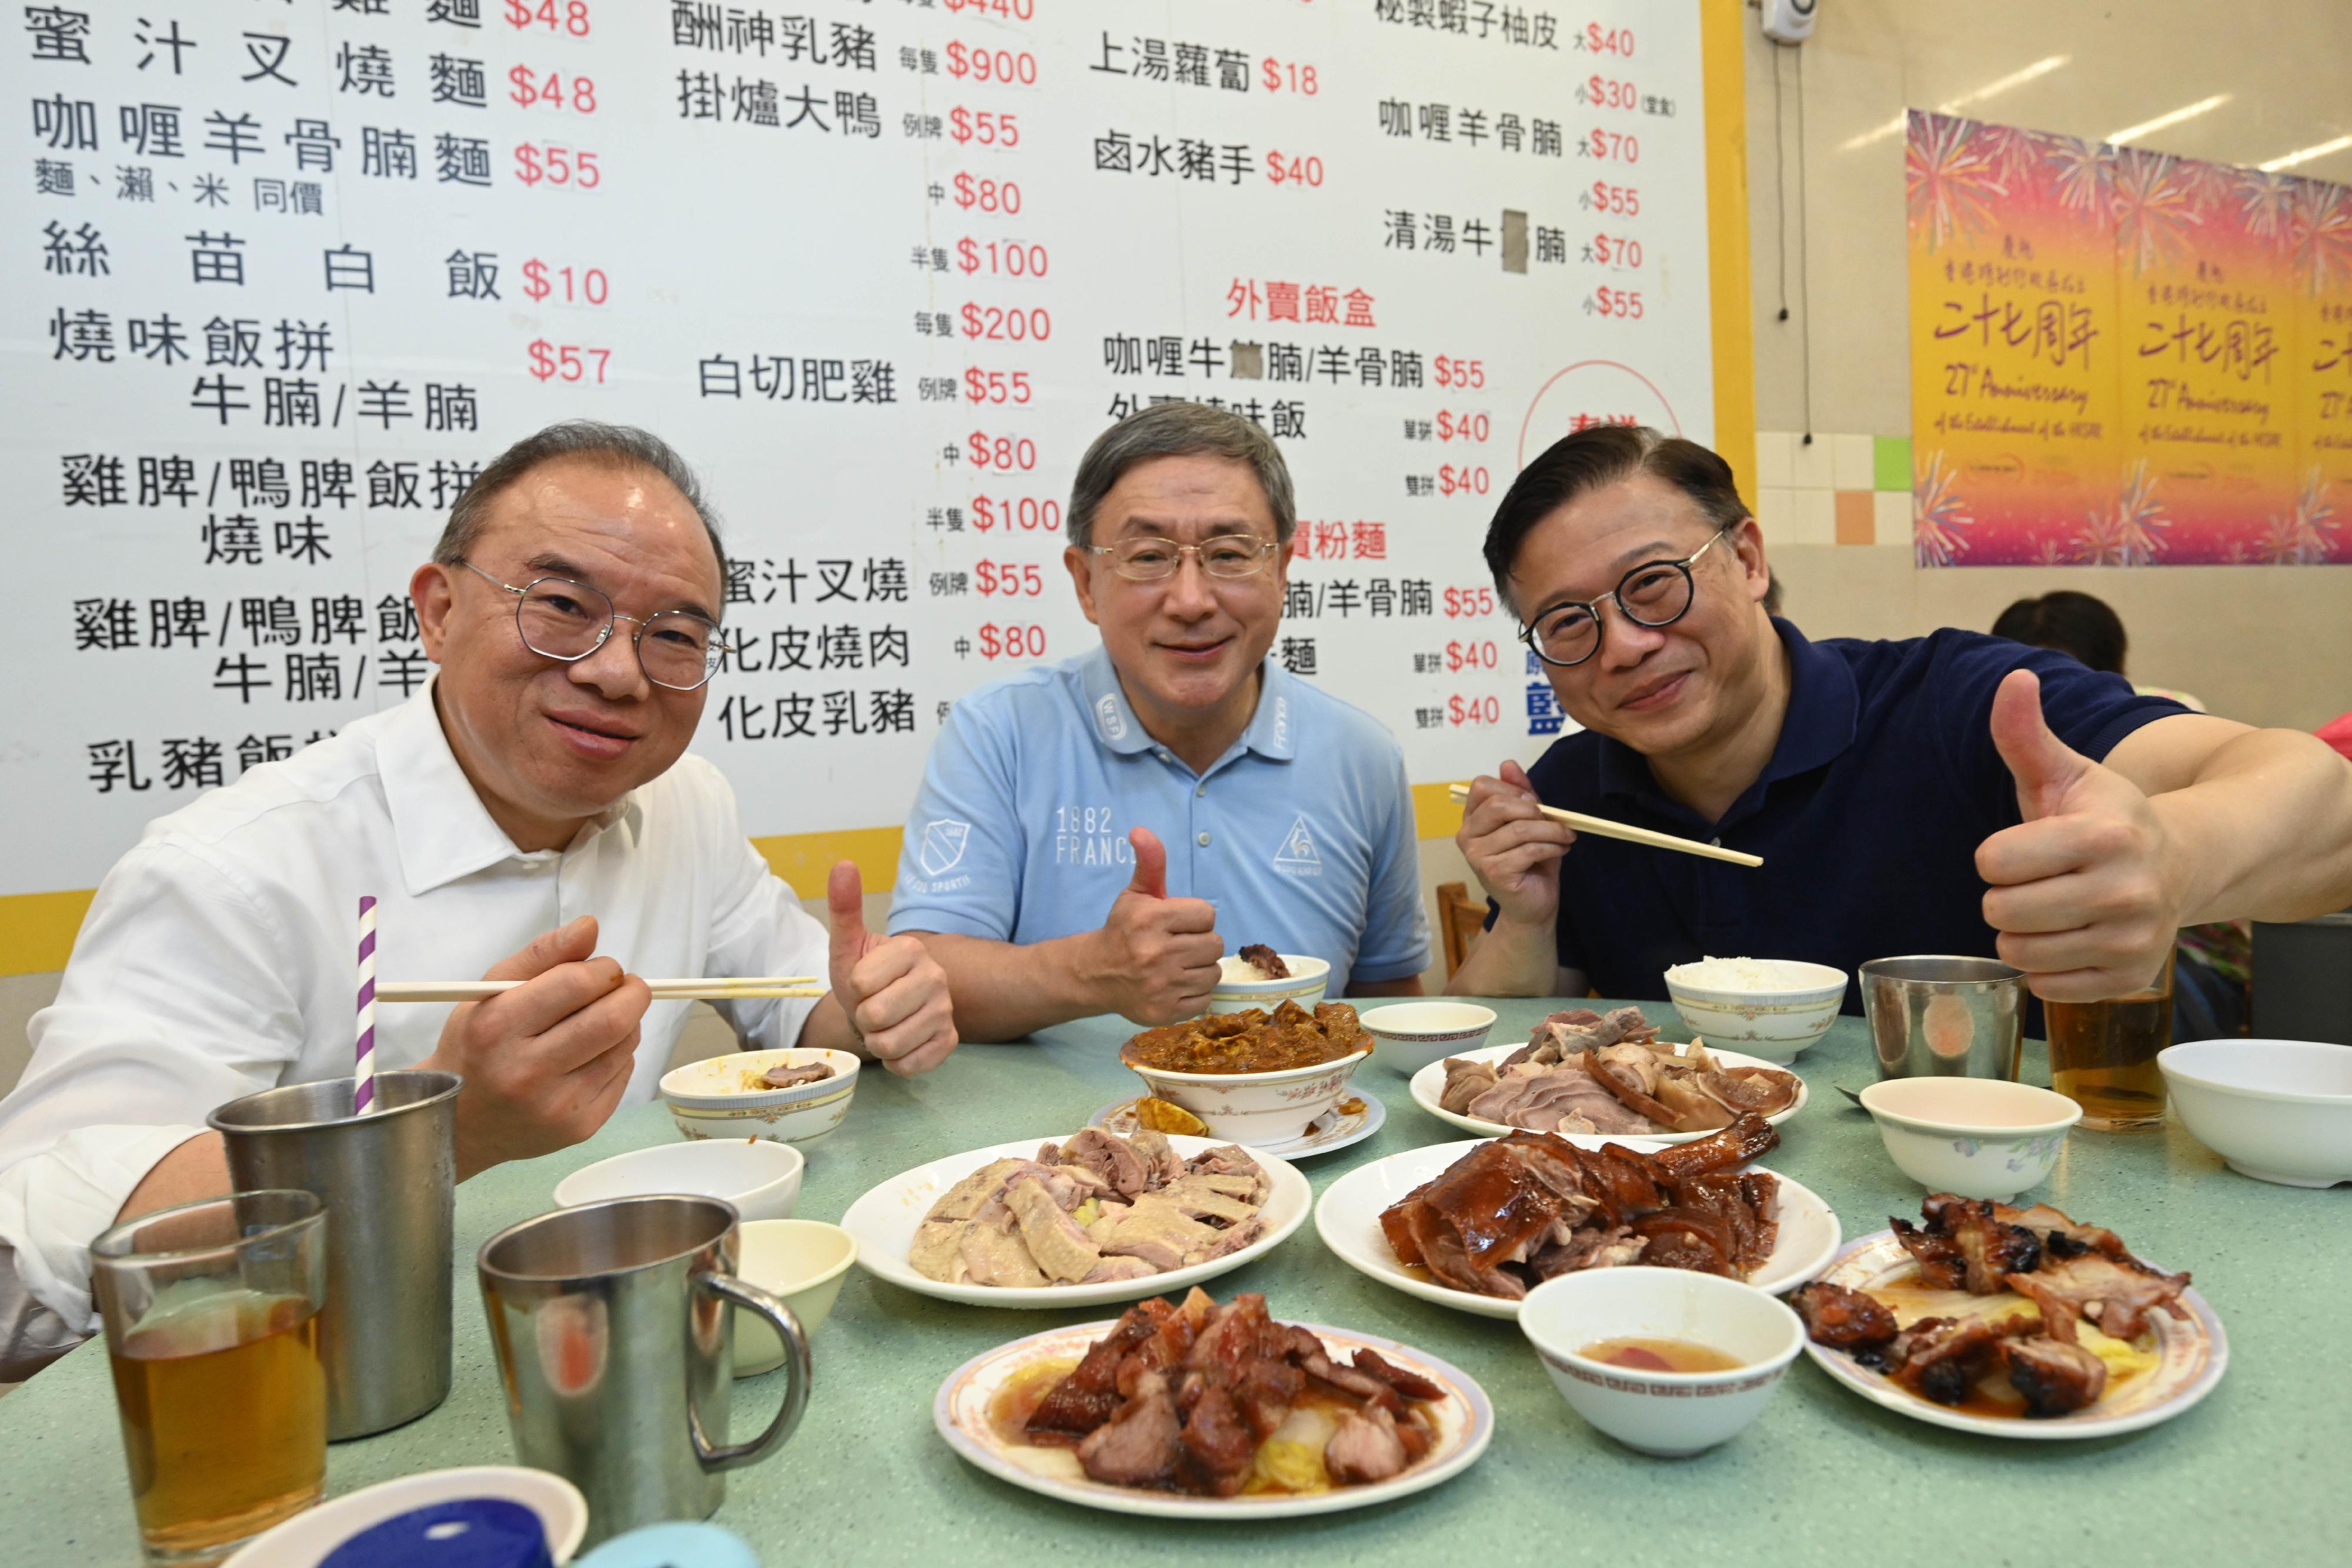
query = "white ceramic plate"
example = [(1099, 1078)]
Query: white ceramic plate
[(2196, 1352), (1349, 1220), (884, 1220), (1328, 1133), (305, 1539), (1464, 1421), (1429, 1082)]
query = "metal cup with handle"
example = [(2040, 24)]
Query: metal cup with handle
[(1940, 1016), (615, 1334), (389, 1181)]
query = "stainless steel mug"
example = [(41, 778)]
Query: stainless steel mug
[(389, 1180), (1944, 1016), (614, 1333)]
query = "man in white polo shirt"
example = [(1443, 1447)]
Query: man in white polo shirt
[(536, 800), (1091, 836)]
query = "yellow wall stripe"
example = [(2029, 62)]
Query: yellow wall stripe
[(37, 929), (1723, 72)]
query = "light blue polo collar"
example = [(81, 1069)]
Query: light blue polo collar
[(1272, 731)]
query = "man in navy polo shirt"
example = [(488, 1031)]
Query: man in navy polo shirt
[(1954, 793), (1091, 836)]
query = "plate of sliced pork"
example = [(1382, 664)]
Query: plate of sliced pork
[(1582, 1071), (2011, 1322), (1081, 1220), (1476, 1225), (1209, 1410)]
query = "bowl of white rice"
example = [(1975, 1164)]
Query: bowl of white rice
[(1768, 1007)]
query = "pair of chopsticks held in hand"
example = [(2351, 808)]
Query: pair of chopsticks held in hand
[(715, 988), (1603, 827)]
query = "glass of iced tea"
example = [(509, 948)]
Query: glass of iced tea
[(212, 1328), (2103, 1055)]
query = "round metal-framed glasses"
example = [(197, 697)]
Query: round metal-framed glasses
[(567, 621), (1654, 593), (1151, 558)]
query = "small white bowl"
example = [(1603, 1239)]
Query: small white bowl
[(1239, 986), (305, 1539), (1412, 1035), (702, 1105), (2276, 1110), (1775, 1021), (762, 1180), (1979, 1137), (1670, 1414), (1255, 1108), (803, 1262)]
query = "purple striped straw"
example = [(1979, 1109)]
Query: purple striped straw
[(363, 1075)]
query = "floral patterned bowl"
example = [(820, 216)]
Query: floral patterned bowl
[(708, 1099), (1257, 1108), (1774, 1022), (1979, 1137)]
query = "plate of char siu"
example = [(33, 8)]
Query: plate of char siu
[(2012, 1322), (1587, 1072), (1202, 1409), (1476, 1225)]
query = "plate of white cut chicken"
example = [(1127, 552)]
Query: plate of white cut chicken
[(1079, 1220), (2011, 1322), (1585, 1073)]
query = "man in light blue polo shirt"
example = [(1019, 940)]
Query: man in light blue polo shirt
[(1091, 836)]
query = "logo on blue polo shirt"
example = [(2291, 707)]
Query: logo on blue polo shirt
[(1296, 855), (1108, 718), (943, 844)]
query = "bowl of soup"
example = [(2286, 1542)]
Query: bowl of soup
[(1665, 1361)]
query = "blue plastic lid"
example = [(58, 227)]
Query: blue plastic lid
[(464, 1533), (673, 1546)]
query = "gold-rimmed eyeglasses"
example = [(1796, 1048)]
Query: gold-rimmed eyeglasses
[(1151, 560), (1654, 593), (567, 621)]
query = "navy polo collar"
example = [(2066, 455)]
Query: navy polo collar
[(1823, 717)]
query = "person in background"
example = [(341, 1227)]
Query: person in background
[(2084, 625), (1953, 793), (535, 798), (2212, 982), (1090, 836)]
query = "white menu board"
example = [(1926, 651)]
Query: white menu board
[(282, 277)]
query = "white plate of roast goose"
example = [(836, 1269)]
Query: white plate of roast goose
[(1076, 1221), (2012, 1322), (1588, 1073), (1210, 1410), (1476, 1225)]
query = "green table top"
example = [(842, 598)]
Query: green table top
[(1822, 1475)]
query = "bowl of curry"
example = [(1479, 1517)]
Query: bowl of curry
[(1254, 1077)]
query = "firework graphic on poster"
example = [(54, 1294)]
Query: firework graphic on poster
[(1938, 514), (2156, 206), (2125, 534), (1948, 178), (2322, 235), (2082, 173), (2304, 535), (2267, 200)]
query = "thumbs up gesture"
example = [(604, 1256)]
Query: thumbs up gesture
[(891, 989), (1155, 959), (2086, 891)]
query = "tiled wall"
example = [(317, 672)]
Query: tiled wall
[(1833, 489)]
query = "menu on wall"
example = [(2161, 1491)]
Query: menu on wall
[(2122, 358), (283, 276)]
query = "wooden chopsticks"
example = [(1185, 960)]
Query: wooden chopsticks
[(1601, 827), (717, 988)]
